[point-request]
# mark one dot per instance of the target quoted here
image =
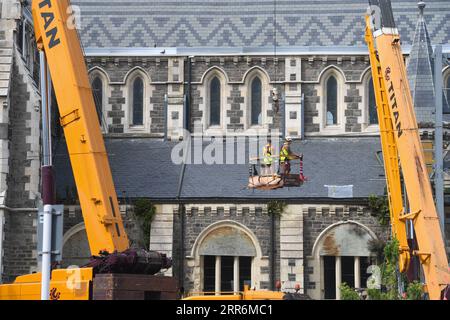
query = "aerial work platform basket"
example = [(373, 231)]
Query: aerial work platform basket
[(269, 181)]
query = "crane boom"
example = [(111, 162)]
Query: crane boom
[(395, 90), (57, 36), (390, 151)]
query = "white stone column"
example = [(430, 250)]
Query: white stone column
[(218, 275), (293, 97), (338, 278), (357, 273), (291, 247), (236, 275), (161, 232)]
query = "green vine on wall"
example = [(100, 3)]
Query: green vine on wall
[(276, 207), (379, 207), (144, 211)]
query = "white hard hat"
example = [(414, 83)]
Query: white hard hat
[(288, 139)]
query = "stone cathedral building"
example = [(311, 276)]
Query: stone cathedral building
[(210, 67)]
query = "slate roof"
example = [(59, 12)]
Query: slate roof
[(143, 168), (245, 23)]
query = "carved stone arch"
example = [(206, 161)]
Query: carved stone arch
[(331, 69), (446, 77), (99, 71), (446, 70), (215, 71), (256, 70), (75, 249), (213, 231), (345, 238), (367, 73), (137, 70)]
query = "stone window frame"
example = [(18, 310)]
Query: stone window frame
[(209, 75), (128, 92), (446, 79), (366, 126), (98, 72), (341, 87), (250, 75)]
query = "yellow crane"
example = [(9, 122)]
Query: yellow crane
[(57, 37), (401, 146)]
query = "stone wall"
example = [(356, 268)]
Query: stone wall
[(294, 75), (24, 174), (353, 112), (20, 254), (352, 74), (117, 72), (23, 180)]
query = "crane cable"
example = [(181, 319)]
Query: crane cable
[(275, 94)]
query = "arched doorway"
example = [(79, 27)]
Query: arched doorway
[(76, 250), (341, 253), (227, 256)]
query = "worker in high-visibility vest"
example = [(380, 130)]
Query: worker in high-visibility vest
[(268, 158), (286, 155)]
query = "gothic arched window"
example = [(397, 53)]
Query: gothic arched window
[(214, 102), (332, 101), (256, 102), (97, 90), (372, 106), (138, 102)]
